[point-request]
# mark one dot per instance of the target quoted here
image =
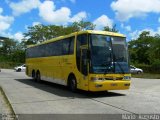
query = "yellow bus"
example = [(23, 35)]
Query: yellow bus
[(88, 60)]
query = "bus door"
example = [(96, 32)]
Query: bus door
[(84, 62)]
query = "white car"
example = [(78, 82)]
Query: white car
[(20, 68), (135, 70)]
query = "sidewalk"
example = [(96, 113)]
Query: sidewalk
[(6, 111)]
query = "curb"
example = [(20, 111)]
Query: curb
[(13, 115)]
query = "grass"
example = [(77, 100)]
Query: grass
[(146, 75)]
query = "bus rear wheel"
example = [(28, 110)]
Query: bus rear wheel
[(72, 84), (38, 77)]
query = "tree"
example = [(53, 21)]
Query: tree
[(8, 47), (113, 29), (39, 33), (18, 56), (142, 48), (35, 34), (82, 25), (12, 51), (154, 51)]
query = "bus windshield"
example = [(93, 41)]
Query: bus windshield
[(108, 54)]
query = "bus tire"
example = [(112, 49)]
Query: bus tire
[(38, 76), (72, 84), (33, 75)]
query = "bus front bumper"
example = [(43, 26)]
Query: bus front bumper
[(109, 85)]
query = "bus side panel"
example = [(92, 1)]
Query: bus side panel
[(68, 66), (50, 68)]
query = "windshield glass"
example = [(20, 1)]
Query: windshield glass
[(108, 54), (120, 55)]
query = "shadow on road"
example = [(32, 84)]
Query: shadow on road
[(63, 91)]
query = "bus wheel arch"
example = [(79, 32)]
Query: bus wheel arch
[(72, 82)]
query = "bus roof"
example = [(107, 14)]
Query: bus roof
[(77, 33)]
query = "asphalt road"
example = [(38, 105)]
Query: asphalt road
[(29, 97)]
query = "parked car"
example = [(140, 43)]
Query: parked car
[(20, 68), (135, 70)]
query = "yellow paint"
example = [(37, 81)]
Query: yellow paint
[(60, 67)]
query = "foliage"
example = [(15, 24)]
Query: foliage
[(140, 49), (145, 51), (156, 66), (78, 26), (18, 56), (11, 52), (154, 51), (40, 33), (113, 29), (8, 47)]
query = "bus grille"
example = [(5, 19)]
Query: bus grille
[(111, 78)]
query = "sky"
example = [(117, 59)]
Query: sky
[(130, 16)]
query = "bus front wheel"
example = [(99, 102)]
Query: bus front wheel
[(72, 84)]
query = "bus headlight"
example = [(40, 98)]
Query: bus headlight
[(127, 78)]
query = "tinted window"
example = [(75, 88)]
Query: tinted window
[(56, 48), (61, 47), (68, 46)]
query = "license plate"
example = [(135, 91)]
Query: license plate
[(114, 84)]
